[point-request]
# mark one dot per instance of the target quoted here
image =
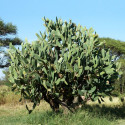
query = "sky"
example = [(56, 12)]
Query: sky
[(106, 17)]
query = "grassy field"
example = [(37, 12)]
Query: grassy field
[(14, 113)]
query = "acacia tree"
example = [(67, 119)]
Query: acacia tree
[(117, 47), (5, 30), (66, 62)]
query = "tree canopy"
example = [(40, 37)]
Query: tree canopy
[(116, 46), (5, 30), (8, 29)]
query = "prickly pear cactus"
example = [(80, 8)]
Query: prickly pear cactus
[(66, 61)]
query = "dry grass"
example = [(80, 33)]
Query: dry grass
[(7, 96), (10, 105), (115, 102), (12, 110)]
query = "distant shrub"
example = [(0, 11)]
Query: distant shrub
[(2, 96), (8, 97)]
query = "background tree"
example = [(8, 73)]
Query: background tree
[(117, 48), (5, 30)]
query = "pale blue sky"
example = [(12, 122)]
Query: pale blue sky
[(107, 17)]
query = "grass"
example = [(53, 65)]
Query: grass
[(46, 117), (14, 113)]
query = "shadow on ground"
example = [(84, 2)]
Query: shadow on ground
[(117, 112)]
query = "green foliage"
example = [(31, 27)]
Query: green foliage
[(120, 88), (7, 28), (64, 63), (7, 41), (117, 48)]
